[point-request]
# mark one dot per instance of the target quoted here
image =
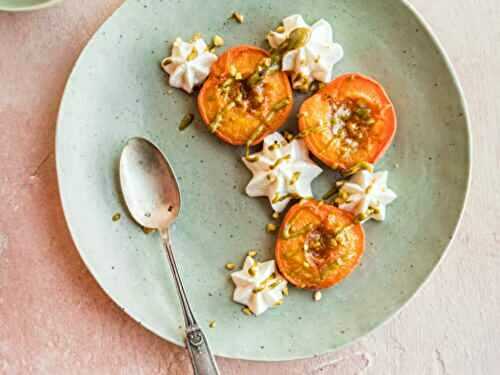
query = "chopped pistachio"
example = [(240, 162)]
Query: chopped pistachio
[(252, 271), (271, 228), (274, 284), (212, 324), (270, 116), (297, 39), (256, 78), (363, 113), (271, 178), (246, 311), (228, 82), (312, 129), (217, 122), (230, 266), (273, 146), (280, 105), (358, 167), (361, 217), (218, 41), (301, 82), (148, 230), (278, 303), (333, 242), (258, 98), (116, 216), (275, 215), (280, 29), (295, 178), (279, 161), (317, 296), (233, 70), (196, 36), (280, 198), (252, 253), (193, 55), (285, 291), (258, 289), (289, 234), (252, 159), (186, 121), (288, 136), (240, 18)]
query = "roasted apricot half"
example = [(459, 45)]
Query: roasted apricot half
[(350, 120), (245, 97), (318, 245)]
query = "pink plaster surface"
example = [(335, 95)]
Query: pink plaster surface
[(54, 318)]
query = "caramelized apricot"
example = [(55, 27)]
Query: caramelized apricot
[(245, 97), (351, 120), (319, 245)]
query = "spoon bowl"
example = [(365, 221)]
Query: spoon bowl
[(149, 185)]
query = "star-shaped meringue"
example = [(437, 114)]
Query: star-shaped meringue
[(281, 171), (366, 194), (258, 285), (189, 64)]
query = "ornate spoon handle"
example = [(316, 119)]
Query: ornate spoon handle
[(201, 357)]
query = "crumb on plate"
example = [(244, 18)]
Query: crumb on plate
[(240, 18)]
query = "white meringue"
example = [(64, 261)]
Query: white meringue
[(281, 171), (367, 193), (316, 59), (258, 285), (189, 65)]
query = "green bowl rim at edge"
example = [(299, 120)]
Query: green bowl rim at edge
[(44, 5), (463, 103)]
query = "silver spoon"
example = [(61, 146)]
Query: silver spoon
[(153, 198)]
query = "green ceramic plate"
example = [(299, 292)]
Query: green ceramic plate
[(118, 91), (26, 5)]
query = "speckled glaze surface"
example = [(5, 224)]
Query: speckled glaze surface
[(118, 91), (26, 5)]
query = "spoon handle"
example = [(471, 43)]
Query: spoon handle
[(202, 358)]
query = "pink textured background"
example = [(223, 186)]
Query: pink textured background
[(54, 318)]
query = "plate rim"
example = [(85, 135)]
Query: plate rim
[(29, 8), (469, 152)]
